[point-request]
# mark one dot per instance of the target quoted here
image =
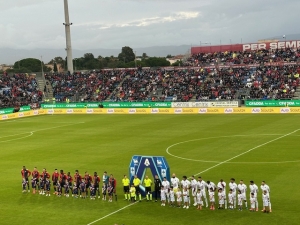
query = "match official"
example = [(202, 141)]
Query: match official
[(126, 182), (148, 183), (136, 183)]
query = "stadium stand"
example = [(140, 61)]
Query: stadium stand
[(19, 90), (259, 74)]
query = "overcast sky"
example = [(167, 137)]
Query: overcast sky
[(31, 24)]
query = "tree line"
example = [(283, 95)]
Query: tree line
[(126, 59)]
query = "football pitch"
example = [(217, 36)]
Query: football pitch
[(248, 147)]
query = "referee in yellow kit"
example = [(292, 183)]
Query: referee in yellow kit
[(148, 183), (126, 182), (136, 183)]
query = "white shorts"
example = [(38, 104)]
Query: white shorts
[(179, 199), (266, 203), (244, 197), (252, 205), (230, 201), (212, 200), (172, 199), (186, 199), (200, 202), (163, 198), (221, 202)]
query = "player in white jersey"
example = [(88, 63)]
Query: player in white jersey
[(166, 185), (210, 185), (172, 197), (266, 202), (230, 199), (254, 190), (233, 186), (222, 185), (265, 187), (221, 196), (201, 184), (178, 197), (186, 198), (185, 183), (194, 189), (243, 188), (199, 199), (252, 202), (174, 182), (163, 196), (212, 198), (240, 198)]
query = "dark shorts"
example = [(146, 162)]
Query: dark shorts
[(137, 190), (96, 186), (88, 185), (148, 189), (62, 183), (33, 184), (54, 183), (126, 189)]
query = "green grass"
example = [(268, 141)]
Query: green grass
[(107, 142)]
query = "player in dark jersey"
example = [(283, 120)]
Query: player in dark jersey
[(55, 176), (87, 179), (26, 174), (75, 190), (58, 189), (110, 191), (96, 181), (24, 184), (77, 179), (62, 178), (92, 191), (69, 182), (35, 179), (44, 176), (47, 186), (113, 183), (82, 188)]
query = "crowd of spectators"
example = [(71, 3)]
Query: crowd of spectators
[(263, 81), (244, 57), (19, 90), (90, 86)]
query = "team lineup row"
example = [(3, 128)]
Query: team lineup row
[(82, 186), (179, 191), (64, 183)]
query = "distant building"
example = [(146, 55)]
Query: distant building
[(175, 58), (5, 67)]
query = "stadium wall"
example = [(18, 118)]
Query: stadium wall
[(245, 47), (167, 111)]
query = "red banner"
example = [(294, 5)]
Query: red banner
[(246, 47)]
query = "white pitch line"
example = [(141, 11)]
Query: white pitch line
[(49, 128), (31, 133), (112, 213), (209, 161), (203, 170), (258, 146)]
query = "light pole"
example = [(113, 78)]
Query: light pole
[(67, 25)]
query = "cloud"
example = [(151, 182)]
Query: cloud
[(144, 21)]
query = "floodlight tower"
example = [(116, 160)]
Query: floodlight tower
[(67, 25)]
